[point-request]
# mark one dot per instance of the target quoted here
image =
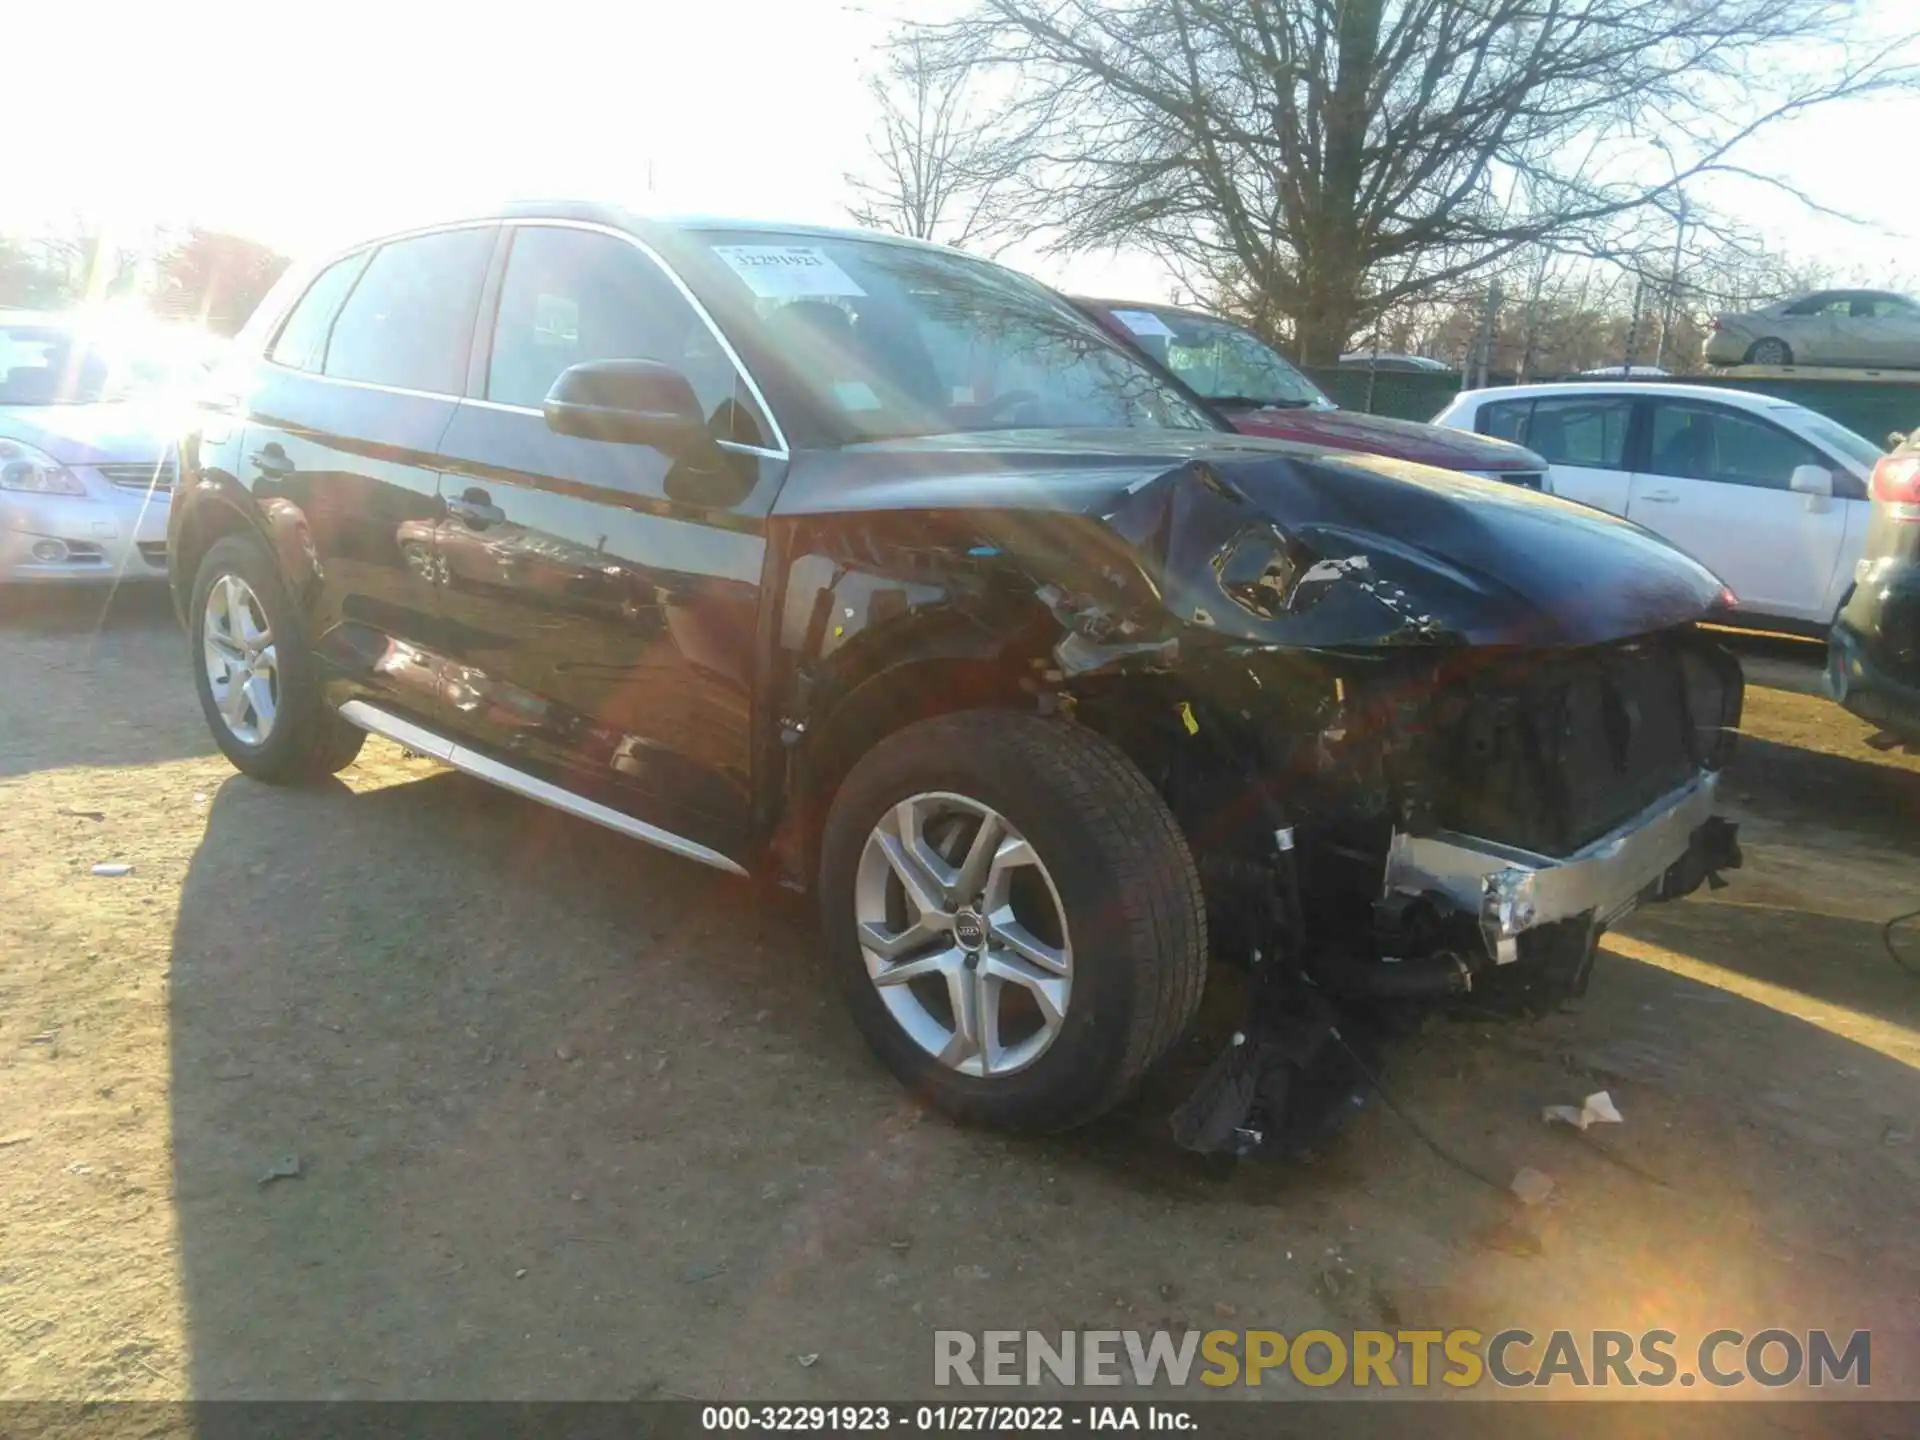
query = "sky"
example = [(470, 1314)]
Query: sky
[(309, 124)]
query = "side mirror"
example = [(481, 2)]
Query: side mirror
[(626, 402), (1811, 480)]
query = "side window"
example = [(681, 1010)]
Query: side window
[(303, 339), (1505, 419), (570, 296), (1822, 304), (408, 321), (1578, 430), (1695, 442)]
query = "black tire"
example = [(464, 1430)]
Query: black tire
[(1769, 352), (1125, 879), (308, 740)]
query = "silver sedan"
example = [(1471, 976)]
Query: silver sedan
[(86, 475), (1828, 327)]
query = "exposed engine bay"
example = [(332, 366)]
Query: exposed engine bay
[(1421, 758)]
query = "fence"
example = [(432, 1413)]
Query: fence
[(1871, 408)]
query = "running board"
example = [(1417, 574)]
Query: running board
[(376, 721)]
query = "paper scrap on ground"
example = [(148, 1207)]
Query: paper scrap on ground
[(113, 870), (1532, 1186), (787, 272), (1597, 1108)]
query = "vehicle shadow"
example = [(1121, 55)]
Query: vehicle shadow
[(514, 1054), (1865, 795), (65, 653)]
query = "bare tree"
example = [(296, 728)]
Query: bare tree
[(934, 171), (1333, 158)]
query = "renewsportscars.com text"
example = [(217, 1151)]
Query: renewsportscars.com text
[(1513, 1358)]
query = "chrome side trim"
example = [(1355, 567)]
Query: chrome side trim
[(1605, 878), (376, 721)]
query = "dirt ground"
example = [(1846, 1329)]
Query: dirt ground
[(573, 1119)]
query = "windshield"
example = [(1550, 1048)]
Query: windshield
[(45, 363), (1857, 448), (896, 340), (1219, 359)]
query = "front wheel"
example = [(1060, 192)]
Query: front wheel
[(255, 672), (1015, 917)]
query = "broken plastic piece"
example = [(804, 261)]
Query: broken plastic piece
[(1597, 1108), (113, 871), (287, 1167), (1186, 717)]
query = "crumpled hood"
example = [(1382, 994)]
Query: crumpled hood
[(1372, 551), (1279, 544), (1383, 435), (93, 434)]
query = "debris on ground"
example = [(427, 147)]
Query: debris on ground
[(702, 1270), (287, 1167), (112, 869), (1597, 1108), (83, 814), (807, 1362), (7, 1141), (1532, 1186)]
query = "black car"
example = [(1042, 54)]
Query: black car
[(868, 567), (1873, 655)]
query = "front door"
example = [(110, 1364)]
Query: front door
[(1582, 437), (604, 596), (1715, 483), (341, 443)]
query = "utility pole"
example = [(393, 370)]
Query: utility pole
[(1670, 311), (1483, 348), (1633, 326)]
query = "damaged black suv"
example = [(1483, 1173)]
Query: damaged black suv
[(868, 567)]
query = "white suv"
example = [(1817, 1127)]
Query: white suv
[(1767, 494)]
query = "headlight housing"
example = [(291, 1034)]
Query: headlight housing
[(34, 471)]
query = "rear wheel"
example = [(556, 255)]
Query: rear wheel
[(1014, 915), (1769, 352), (255, 672)]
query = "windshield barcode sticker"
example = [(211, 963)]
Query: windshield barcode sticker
[(1143, 322), (787, 272)]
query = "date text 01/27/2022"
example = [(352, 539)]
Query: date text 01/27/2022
[(946, 1419)]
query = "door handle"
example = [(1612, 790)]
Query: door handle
[(476, 508), (1661, 497)]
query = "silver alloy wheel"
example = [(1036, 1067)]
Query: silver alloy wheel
[(963, 934), (243, 670)]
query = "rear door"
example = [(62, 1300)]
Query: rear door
[(1715, 483), (604, 594), (341, 449), (1583, 438)]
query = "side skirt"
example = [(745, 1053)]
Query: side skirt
[(376, 721)]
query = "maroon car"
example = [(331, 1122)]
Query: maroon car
[(1257, 389)]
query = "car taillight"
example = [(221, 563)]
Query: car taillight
[(1896, 484)]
